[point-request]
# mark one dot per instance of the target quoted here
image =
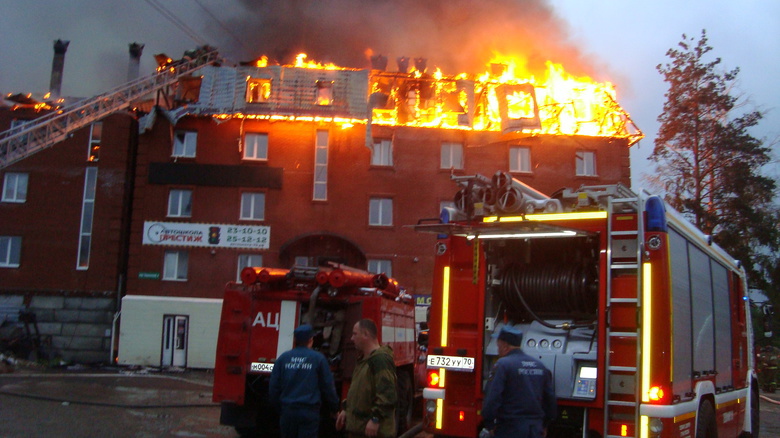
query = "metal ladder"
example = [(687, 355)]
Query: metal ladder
[(631, 373), (46, 131)]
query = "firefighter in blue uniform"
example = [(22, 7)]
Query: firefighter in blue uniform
[(520, 398), (301, 382)]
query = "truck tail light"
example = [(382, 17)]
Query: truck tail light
[(655, 394), (433, 378), (461, 416)]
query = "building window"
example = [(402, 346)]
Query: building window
[(324, 93), (95, 136), (380, 212), (252, 206), (175, 266), (10, 251), (255, 146), (15, 187), (180, 203), (520, 159), (321, 167), (377, 266), (245, 260), (586, 163), (303, 261), (87, 213), (258, 90), (451, 155), (184, 143), (382, 152)]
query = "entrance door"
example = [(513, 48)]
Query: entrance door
[(175, 330)]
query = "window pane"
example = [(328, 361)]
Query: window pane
[(84, 244), (169, 265), (186, 203), (5, 246), (446, 162), (97, 131), (181, 268), (457, 156), (322, 138), (173, 202), (21, 186), (256, 146), (86, 217), (246, 206), (91, 184), (320, 192), (387, 212)]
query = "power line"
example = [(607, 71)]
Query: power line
[(246, 49), (170, 16)]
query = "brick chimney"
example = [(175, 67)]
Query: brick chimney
[(135, 61), (57, 66)]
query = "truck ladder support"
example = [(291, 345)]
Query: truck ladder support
[(56, 126)]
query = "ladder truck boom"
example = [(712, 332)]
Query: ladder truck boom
[(54, 127)]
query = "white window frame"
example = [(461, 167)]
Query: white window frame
[(320, 190), (254, 202), (95, 138), (11, 190), (11, 257), (187, 148), (177, 203), (245, 260), (176, 259), (87, 218), (380, 212), (256, 146), (520, 159), (449, 155), (380, 266), (382, 152), (585, 162)]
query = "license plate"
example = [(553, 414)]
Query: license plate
[(451, 362), (260, 367)]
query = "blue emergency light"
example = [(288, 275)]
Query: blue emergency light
[(656, 214)]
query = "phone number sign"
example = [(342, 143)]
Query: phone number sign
[(206, 235)]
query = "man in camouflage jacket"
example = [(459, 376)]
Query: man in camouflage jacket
[(372, 396)]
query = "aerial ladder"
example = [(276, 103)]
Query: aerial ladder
[(50, 129)]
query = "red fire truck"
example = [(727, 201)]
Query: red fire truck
[(641, 318), (259, 316)]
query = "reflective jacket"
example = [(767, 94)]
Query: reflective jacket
[(372, 393), (302, 378)]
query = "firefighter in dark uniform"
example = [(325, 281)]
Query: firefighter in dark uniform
[(301, 382), (520, 398)]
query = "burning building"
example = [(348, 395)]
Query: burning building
[(305, 163)]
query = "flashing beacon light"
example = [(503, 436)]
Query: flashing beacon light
[(433, 378), (656, 214), (656, 393)]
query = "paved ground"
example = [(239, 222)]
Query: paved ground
[(141, 404)]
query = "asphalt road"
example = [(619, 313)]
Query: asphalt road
[(142, 404)]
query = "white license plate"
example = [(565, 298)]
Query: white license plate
[(260, 367), (451, 362)]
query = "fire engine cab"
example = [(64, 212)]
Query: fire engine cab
[(640, 317), (259, 316)]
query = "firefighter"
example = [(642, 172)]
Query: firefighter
[(301, 382), (520, 398), (370, 404)]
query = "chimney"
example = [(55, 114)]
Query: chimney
[(133, 67), (379, 62), (403, 64), (57, 66)]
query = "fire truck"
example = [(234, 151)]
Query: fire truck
[(259, 316), (641, 318)]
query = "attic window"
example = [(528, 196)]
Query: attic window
[(258, 90), (324, 92)]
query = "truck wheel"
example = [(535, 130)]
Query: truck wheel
[(755, 412), (706, 427), (403, 414)]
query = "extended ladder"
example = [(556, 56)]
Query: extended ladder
[(622, 383), (54, 127)]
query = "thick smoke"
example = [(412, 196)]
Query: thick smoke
[(455, 35)]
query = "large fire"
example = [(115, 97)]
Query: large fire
[(508, 97)]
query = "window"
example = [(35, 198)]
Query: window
[(380, 212), (180, 203), (519, 159), (324, 93), (95, 135), (451, 155), (382, 152), (87, 212), (258, 90), (377, 266), (586, 163), (255, 146), (15, 187), (245, 260), (184, 143), (175, 265), (321, 167), (303, 261), (10, 251), (252, 206)]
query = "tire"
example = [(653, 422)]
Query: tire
[(706, 426), (755, 412)]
